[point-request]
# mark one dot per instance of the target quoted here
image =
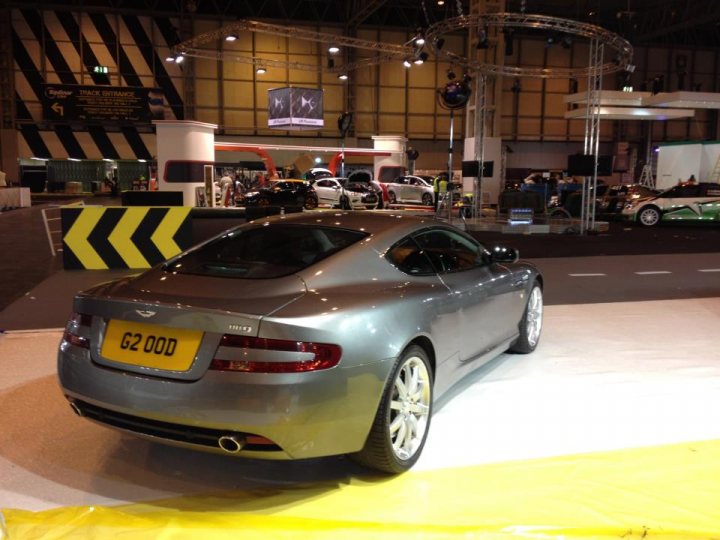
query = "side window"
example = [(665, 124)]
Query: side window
[(408, 257), (324, 183), (450, 251), (689, 191)]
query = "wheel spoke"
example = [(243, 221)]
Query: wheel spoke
[(419, 409), (395, 405)]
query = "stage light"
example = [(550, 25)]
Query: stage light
[(421, 58), (439, 43), (407, 63), (343, 77), (450, 74), (566, 41), (261, 70), (231, 37), (333, 49), (482, 37)]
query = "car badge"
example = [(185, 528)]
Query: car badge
[(145, 313)]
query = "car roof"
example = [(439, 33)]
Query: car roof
[(371, 222)]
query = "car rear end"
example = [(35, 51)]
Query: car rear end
[(189, 354)]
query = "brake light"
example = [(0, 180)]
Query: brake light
[(326, 355), (72, 330)]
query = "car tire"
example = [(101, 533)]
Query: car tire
[(388, 447), (345, 203), (392, 199), (263, 201), (427, 199), (531, 323), (310, 203), (649, 216)]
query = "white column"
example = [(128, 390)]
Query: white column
[(184, 140), (396, 145)]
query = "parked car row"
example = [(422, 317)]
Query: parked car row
[(345, 193)]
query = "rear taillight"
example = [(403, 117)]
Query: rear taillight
[(75, 323), (325, 355)]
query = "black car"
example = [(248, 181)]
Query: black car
[(282, 193)]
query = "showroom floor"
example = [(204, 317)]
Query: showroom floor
[(610, 429)]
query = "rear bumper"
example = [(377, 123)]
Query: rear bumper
[(305, 415)]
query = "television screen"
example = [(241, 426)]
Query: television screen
[(584, 165), (471, 169)]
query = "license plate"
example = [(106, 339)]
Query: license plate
[(150, 345)]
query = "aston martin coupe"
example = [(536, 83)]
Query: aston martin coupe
[(299, 336)]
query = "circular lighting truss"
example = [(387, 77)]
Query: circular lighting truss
[(620, 49)]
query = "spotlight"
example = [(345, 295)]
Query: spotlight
[(466, 78), (169, 58), (439, 43), (419, 38), (179, 59), (509, 39), (343, 77), (482, 37), (261, 70), (550, 40), (630, 68), (421, 58), (566, 41), (407, 63), (450, 74), (333, 49), (231, 37), (440, 2)]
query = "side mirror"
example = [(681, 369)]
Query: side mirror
[(502, 254)]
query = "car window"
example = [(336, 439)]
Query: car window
[(408, 257), (450, 251), (324, 183), (264, 252)]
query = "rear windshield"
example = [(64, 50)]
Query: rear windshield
[(265, 252)]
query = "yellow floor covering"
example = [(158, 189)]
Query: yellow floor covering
[(668, 492)]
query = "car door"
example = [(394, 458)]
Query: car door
[(681, 202), (327, 191), (488, 298), (415, 189)]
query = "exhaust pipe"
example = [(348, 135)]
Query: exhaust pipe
[(232, 444), (77, 410)]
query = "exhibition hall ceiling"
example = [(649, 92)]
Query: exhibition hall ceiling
[(693, 23)]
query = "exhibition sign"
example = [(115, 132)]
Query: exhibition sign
[(295, 108), (68, 102)]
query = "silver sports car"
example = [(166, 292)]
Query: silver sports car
[(299, 336)]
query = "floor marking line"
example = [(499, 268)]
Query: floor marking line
[(587, 275), (653, 272)]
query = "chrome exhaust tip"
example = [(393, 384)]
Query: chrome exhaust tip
[(232, 444), (77, 410)]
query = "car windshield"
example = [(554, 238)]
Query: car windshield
[(264, 252)]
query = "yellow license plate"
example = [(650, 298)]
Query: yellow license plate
[(150, 345)]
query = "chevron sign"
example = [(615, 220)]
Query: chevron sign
[(100, 238)]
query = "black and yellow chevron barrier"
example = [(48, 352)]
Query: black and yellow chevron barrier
[(104, 237)]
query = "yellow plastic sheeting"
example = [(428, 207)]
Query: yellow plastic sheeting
[(670, 492)]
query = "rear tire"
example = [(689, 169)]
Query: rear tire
[(310, 203), (402, 421), (427, 199), (531, 323)]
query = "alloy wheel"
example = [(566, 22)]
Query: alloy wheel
[(409, 408)]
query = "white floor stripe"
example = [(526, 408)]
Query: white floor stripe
[(709, 270), (653, 272), (587, 275)]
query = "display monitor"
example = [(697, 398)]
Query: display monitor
[(584, 165), (471, 169)]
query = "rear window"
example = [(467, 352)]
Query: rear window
[(265, 252)]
